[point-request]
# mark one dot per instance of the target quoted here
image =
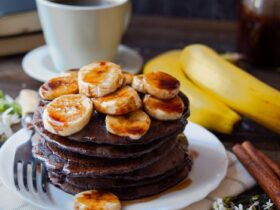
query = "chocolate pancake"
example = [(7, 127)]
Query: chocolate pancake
[(128, 193), (100, 150), (98, 166), (157, 168), (84, 159), (177, 161), (51, 161), (163, 165), (118, 183), (95, 131), (109, 184)]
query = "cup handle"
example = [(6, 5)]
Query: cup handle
[(127, 16)]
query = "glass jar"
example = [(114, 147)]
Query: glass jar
[(259, 32)]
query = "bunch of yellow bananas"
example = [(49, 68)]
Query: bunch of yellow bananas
[(217, 89)]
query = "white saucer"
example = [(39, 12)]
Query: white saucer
[(208, 171), (38, 64)]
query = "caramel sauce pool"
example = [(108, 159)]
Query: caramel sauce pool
[(194, 154), (182, 185)]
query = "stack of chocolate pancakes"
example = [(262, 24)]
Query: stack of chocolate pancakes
[(95, 159)]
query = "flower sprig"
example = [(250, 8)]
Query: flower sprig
[(10, 113), (257, 202)]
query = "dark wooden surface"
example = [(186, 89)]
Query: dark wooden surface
[(153, 35), (214, 9), (199, 9)]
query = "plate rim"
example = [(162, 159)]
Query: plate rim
[(218, 182), (203, 194), (28, 60)]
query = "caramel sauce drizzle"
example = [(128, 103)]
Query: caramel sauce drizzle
[(171, 105), (194, 154), (97, 73), (163, 80), (180, 186)]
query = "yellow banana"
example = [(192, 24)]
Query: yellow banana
[(235, 87), (205, 110)]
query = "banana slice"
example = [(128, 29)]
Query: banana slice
[(161, 85), (120, 102), (128, 77), (138, 83), (99, 79), (170, 109), (58, 86), (96, 200), (133, 125), (67, 114)]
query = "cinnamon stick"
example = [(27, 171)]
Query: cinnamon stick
[(268, 182), (253, 153), (273, 165)]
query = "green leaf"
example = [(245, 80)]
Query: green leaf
[(16, 108), (3, 106), (3, 137), (2, 95)]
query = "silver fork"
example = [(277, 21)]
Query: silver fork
[(24, 156)]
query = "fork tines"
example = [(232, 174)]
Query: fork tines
[(24, 158)]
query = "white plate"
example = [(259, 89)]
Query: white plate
[(209, 169), (38, 64)]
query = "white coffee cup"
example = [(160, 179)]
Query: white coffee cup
[(78, 35)]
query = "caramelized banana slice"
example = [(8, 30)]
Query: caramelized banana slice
[(161, 85), (128, 77), (120, 102), (96, 200), (99, 79), (138, 83), (58, 86), (170, 109), (133, 125), (67, 114)]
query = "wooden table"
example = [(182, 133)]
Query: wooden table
[(153, 35)]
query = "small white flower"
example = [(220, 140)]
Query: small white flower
[(267, 205), (218, 204), (7, 119), (2, 130), (239, 207), (9, 99), (253, 205)]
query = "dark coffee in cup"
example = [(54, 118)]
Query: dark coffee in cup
[(85, 2)]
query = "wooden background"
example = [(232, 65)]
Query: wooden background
[(199, 9), (202, 9)]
